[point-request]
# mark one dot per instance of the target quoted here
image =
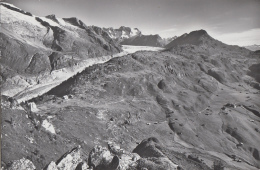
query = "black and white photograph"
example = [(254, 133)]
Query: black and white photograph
[(130, 84)]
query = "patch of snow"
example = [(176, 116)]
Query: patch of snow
[(9, 17), (133, 49), (48, 126), (61, 21), (52, 23), (111, 34), (134, 32), (124, 35)]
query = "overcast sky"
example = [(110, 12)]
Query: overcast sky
[(231, 21)]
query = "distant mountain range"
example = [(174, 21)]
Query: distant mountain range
[(253, 47), (133, 36), (122, 32)]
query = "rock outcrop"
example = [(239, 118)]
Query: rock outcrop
[(22, 164), (71, 160)]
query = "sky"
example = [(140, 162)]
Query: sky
[(234, 22)]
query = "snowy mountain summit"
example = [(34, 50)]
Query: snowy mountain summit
[(122, 32)]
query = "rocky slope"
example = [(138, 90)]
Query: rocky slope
[(201, 103), (33, 47)]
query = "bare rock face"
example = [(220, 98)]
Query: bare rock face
[(69, 161), (152, 157), (113, 159), (22, 164), (100, 157)]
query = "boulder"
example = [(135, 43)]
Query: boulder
[(113, 159), (152, 156), (217, 74), (33, 107), (99, 157), (22, 164), (69, 161), (162, 85), (52, 166), (82, 166)]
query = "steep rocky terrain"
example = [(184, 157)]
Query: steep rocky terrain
[(194, 105), (34, 48)]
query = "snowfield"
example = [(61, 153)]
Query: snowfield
[(133, 49)]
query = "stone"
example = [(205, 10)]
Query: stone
[(99, 156), (33, 107), (65, 97), (51, 166), (70, 160), (22, 164)]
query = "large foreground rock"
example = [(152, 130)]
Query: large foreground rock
[(22, 164), (69, 161)]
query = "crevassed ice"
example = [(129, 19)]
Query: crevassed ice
[(10, 16)]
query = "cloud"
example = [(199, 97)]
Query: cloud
[(169, 30), (244, 38)]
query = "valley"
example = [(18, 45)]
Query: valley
[(77, 97)]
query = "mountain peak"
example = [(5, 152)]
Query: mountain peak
[(75, 21), (53, 18), (194, 38), (201, 32)]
